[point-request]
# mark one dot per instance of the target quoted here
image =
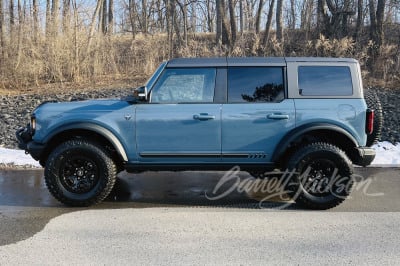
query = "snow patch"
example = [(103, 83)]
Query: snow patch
[(387, 155), (16, 157)]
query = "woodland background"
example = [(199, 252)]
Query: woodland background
[(79, 42)]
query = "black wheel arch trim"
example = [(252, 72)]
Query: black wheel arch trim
[(299, 131), (109, 135)]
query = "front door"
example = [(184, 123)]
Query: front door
[(180, 124)]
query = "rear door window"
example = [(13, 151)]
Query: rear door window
[(255, 84), (325, 81)]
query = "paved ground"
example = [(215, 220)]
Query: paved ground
[(164, 218)]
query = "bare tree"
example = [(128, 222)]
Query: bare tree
[(376, 31), (232, 21), (335, 23), (144, 17), (170, 18), (54, 17), (48, 18), (360, 18), (258, 15), (66, 16), (93, 25), (103, 17), (12, 21), (292, 15), (279, 21), (241, 17), (269, 22), (210, 18), (219, 21), (35, 12), (306, 17), (111, 16), (2, 29), (183, 9)]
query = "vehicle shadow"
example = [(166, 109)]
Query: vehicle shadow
[(26, 206)]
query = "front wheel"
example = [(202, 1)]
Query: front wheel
[(80, 173), (323, 176)]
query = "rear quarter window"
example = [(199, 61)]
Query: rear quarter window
[(325, 81)]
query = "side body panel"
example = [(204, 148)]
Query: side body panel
[(171, 133), (250, 134)]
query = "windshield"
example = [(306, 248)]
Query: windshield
[(153, 78)]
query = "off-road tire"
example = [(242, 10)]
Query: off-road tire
[(374, 103), (324, 158), (95, 162)]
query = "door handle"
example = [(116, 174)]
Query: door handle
[(278, 116), (203, 117)]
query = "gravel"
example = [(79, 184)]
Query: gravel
[(15, 110)]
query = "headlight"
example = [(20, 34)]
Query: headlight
[(33, 125)]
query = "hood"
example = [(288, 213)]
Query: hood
[(104, 105)]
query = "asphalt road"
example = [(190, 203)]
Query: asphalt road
[(165, 218)]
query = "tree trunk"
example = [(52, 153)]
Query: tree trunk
[(103, 17), (183, 9), (144, 17), (376, 32), (258, 15), (35, 12), (210, 22), (292, 24), (76, 68), (232, 22), (219, 22), (170, 25), (93, 26), (66, 23), (241, 18), (111, 17), (2, 34), (48, 18), (269, 22), (380, 14), (19, 40), (279, 21), (12, 22), (360, 18), (54, 17), (225, 25), (132, 16)]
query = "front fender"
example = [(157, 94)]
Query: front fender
[(106, 133)]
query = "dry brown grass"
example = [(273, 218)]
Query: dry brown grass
[(65, 62)]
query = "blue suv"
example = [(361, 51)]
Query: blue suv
[(306, 115)]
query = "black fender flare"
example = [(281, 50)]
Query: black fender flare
[(298, 132), (106, 133)]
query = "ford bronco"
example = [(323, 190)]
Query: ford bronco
[(308, 115)]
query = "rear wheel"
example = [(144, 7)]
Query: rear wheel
[(80, 173), (323, 176)]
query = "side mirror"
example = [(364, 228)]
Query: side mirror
[(141, 93)]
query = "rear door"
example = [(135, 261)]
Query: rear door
[(257, 115)]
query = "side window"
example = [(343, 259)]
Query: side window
[(185, 85), (325, 81), (255, 84)]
